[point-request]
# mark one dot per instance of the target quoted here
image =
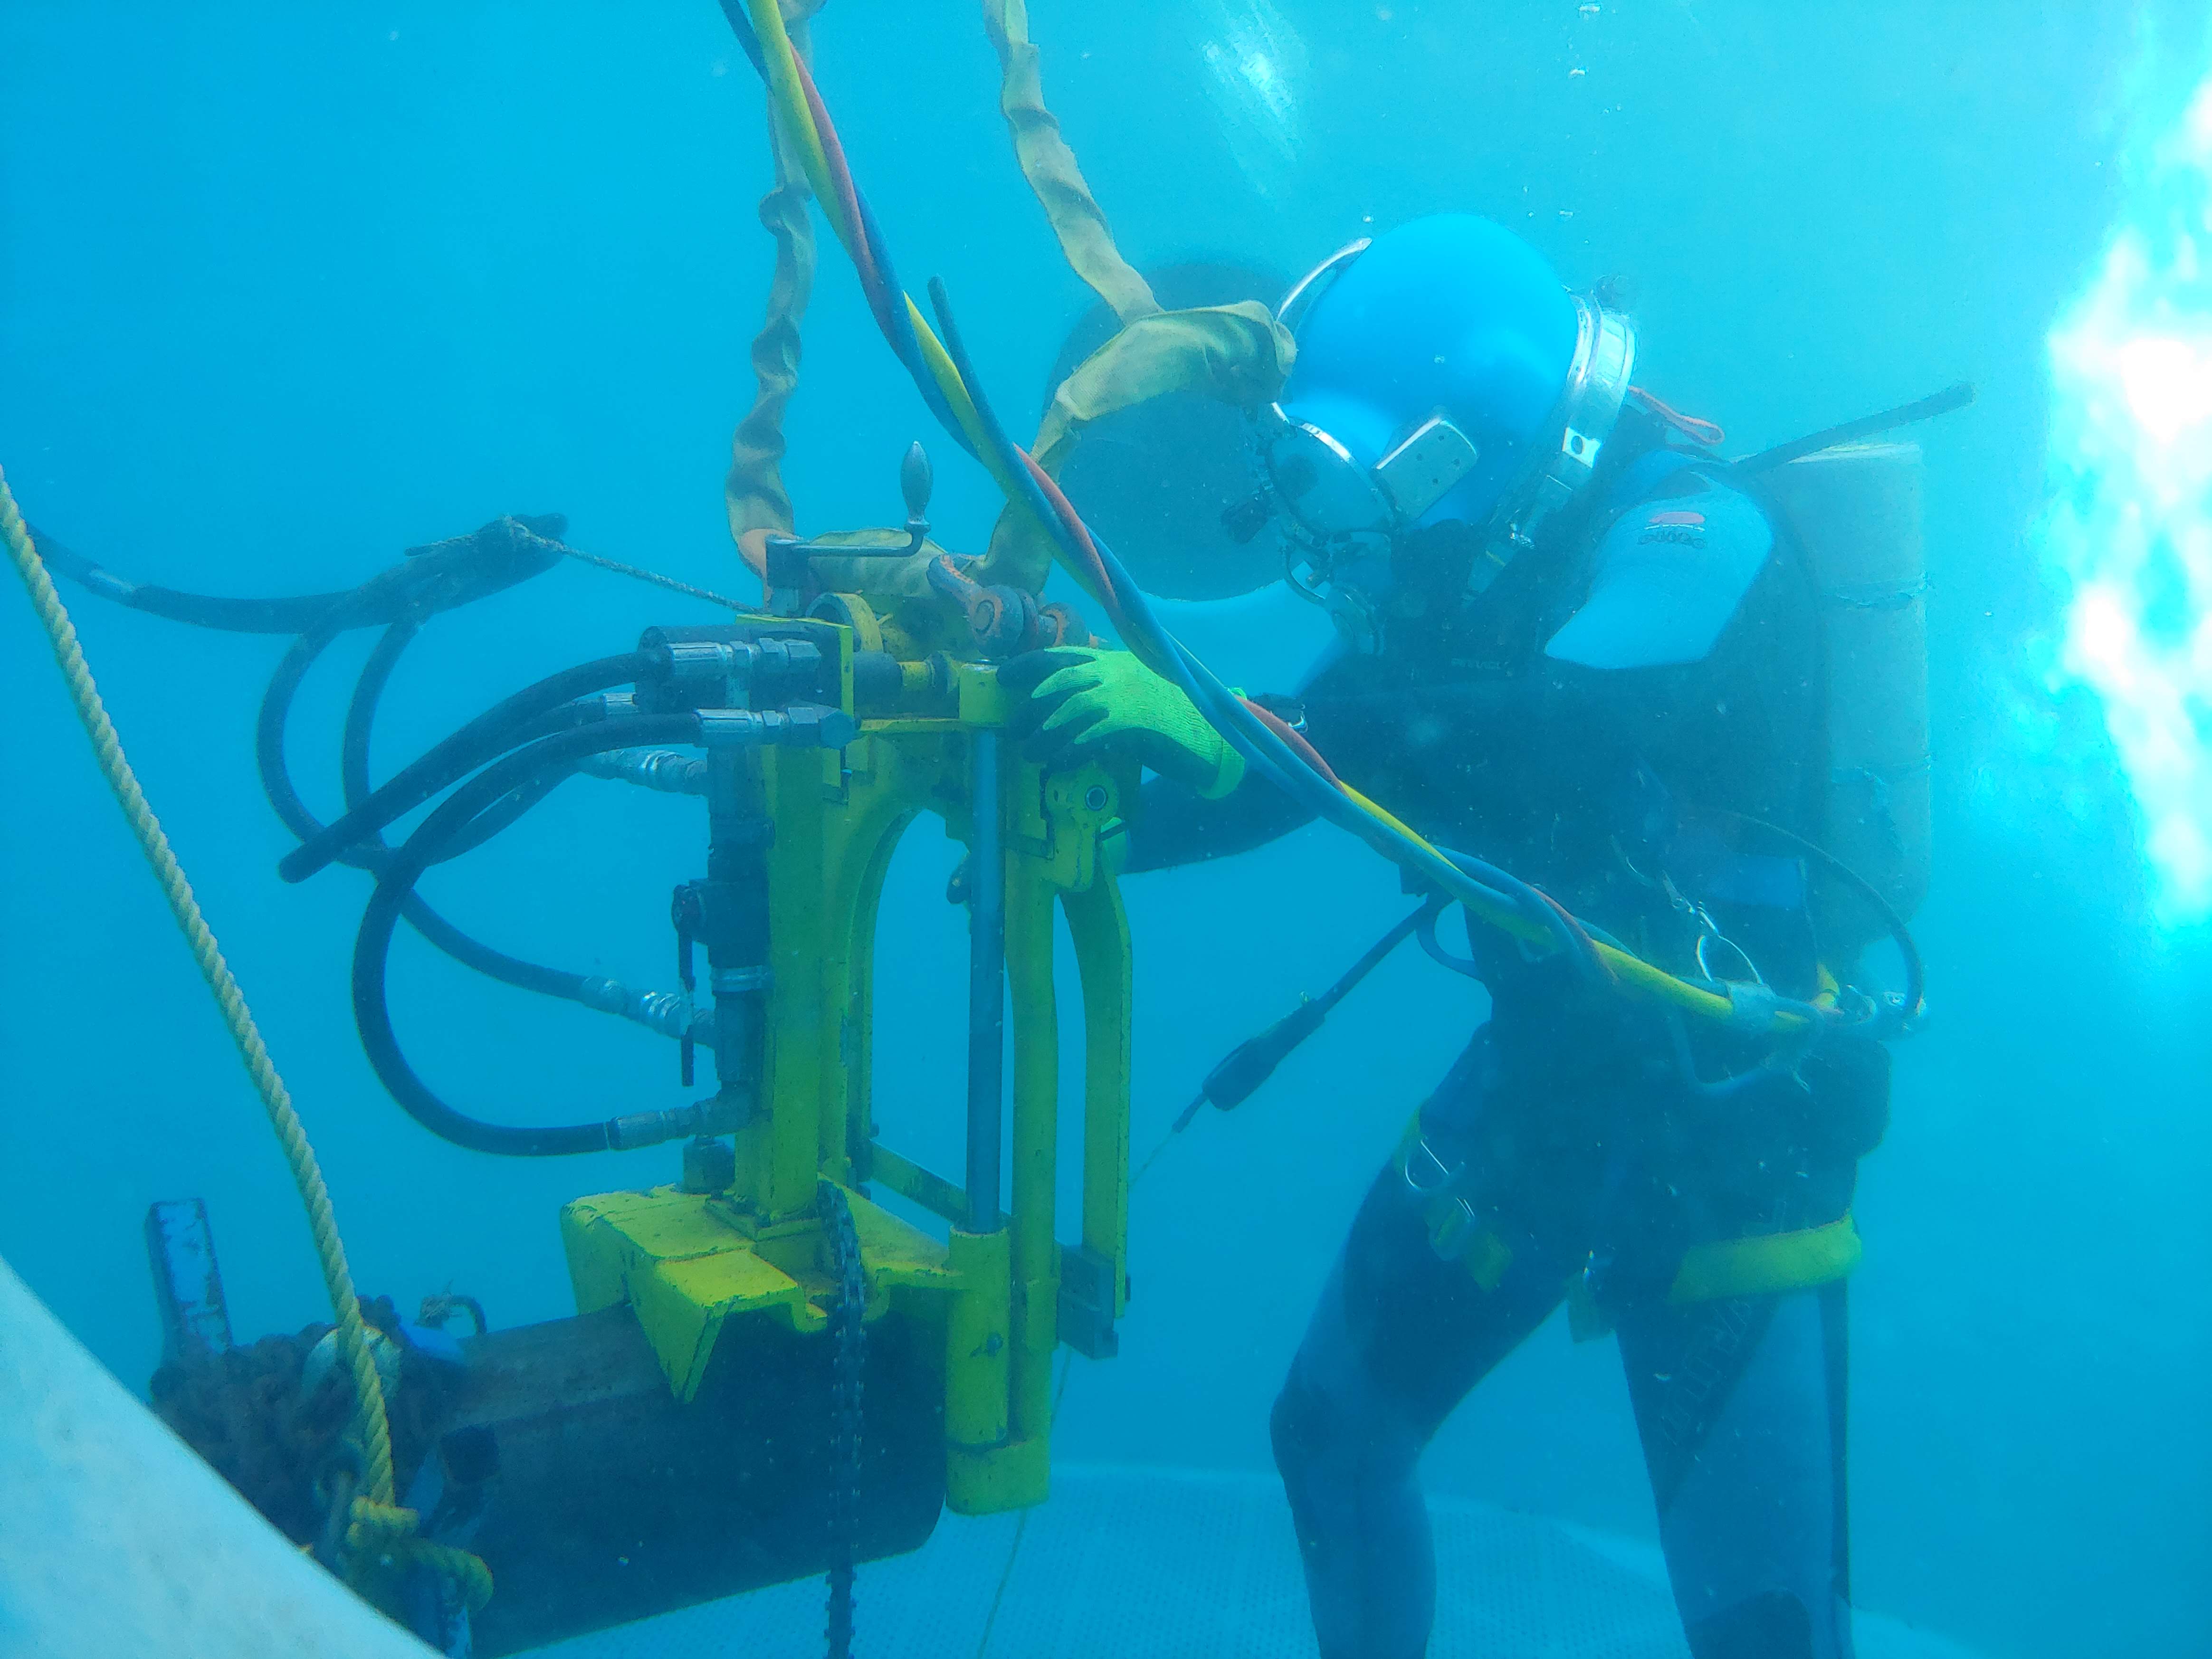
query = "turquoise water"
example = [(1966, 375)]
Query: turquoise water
[(282, 294)]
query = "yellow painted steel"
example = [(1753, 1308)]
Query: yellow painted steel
[(1033, 1177), (682, 1264), (1099, 929), (688, 1263)]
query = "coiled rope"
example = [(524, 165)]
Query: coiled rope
[(370, 1422)]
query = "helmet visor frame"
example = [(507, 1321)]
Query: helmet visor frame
[(1333, 500)]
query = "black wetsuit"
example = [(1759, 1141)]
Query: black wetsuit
[(1607, 721)]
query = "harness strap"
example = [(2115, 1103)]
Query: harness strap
[(1764, 1264), (1767, 1263)]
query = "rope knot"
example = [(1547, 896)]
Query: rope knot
[(382, 1535)]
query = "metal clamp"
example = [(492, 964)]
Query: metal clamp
[(1425, 1185)]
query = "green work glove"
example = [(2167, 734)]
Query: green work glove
[(1082, 703)]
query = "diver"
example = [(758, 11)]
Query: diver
[(1567, 644)]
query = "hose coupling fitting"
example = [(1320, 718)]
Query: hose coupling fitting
[(712, 668), (671, 771), (802, 726), (717, 1114)]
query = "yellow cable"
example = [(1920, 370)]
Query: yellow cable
[(1632, 971), (782, 61), (107, 749)]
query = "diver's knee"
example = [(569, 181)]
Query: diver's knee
[(1336, 1439)]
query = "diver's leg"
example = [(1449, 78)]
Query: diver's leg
[(1399, 1337), (1740, 1405)]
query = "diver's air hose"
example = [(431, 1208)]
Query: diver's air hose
[(547, 706), (404, 868)]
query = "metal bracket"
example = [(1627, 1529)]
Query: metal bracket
[(1086, 1303)]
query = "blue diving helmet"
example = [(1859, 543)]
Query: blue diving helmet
[(1445, 378)]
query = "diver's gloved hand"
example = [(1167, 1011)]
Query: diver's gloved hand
[(1082, 701)]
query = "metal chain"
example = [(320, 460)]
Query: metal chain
[(849, 1339), (652, 576)]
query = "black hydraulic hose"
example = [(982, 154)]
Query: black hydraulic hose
[(455, 572), (284, 798), (353, 773), (292, 615), (275, 713), (361, 721), (429, 579), (529, 713), (404, 868), (360, 710)]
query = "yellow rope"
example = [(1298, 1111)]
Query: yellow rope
[(381, 1536), (368, 1389)]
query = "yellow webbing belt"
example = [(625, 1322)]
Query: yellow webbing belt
[(753, 491), (1235, 354), (1763, 1265), (1767, 1263), (1049, 165)]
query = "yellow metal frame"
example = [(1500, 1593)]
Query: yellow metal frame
[(688, 1262)]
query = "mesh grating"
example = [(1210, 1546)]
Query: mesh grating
[(1129, 1563)]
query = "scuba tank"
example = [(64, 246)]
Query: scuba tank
[(1855, 510)]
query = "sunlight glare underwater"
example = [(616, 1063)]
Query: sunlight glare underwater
[(2128, 526)]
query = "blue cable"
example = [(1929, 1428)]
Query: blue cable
[(742, 26), (900, 336)]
